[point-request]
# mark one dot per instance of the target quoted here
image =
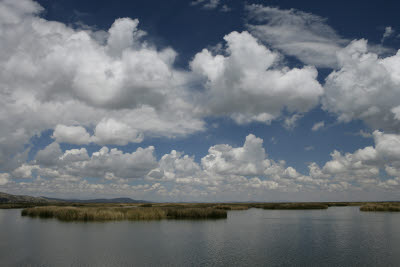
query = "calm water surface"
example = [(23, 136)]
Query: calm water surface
[(339, 236)]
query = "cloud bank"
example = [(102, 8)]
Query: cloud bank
[(114, 88), (246, 172)]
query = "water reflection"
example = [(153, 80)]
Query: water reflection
[(339, 236)]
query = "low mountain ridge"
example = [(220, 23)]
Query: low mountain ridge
[(100, 200), (9, 199)]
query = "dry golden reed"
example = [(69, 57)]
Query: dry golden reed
[(120, 213)]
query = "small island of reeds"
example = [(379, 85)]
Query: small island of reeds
[(70, 213), (388, 206)]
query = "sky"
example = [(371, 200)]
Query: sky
[(203, 100)]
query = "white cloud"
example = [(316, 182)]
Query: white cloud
[(123, 89), (125, 165), (107, 131), (296, 33), (74, 155), (175, 166), (24, 171), (303, 35), (224, 166), (248, 83), (364, 166), (12, 11), (114, 88), (211, 4), (4, 178), (317, 126), (71, 134), (246, 160), (55, 77), (110, 131), (291, 122), (365, 87), (123, 34), (224, 172), (49, 156), (389, 31), (101, 164), (206, 4), (364, 134), (388, 146), (225, 8)]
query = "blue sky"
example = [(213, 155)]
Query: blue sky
[(200, 100)]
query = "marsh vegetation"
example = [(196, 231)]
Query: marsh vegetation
[(120, 213), (159, 211), (293, 206), (388, 206)]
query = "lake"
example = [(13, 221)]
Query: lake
[(338, 236)]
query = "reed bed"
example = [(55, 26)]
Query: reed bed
[(393, 207), (232, 207), (16, 205), (196, 213), (293, 206), (118, 213)]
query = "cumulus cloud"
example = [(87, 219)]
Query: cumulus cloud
[(123, 34), (124, 165), (110, 131), (49, 155), (249, 167), (366, 87), (4, 178), (246, 160), (238, 168), (24, 171), (225, 171), (104, 163), (176, 165), (114, 88), (114, 75), (365, 165), (55, 77), (249, 85), (71, 134)]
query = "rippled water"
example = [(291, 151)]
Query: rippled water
[(339, 236)]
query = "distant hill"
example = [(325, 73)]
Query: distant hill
[(99, 200), (9, 199)]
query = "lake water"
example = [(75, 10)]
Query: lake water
[(339, 236)]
